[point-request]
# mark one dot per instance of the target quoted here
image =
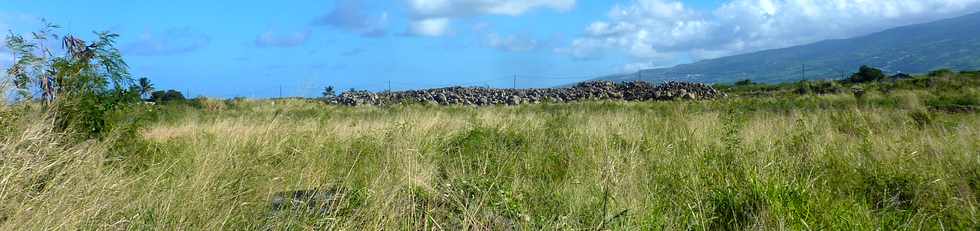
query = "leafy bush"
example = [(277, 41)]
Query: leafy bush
[(921, 118), (858, 92), (866, 74), (166, 96), (900, 76), (79, 88), (208, 104), (744, 82), (88, 113), (804, 87), (827, 87), (955, 102), (329, 92), (917, 82), (886, 87), (970, 73), (941, 72)]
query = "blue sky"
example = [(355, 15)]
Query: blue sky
[(256, 48)]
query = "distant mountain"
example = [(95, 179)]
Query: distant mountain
[(951, 43)]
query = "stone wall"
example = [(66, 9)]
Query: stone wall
[(594, 90)]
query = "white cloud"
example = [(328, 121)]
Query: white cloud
[(633, 67), (353, 16), (170, 42), (582, 49), (273, 39), (431, 27), (511, 43), (435, 15), (651, 29)]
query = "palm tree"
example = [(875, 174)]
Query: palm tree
[(144, 86), (328, 92)]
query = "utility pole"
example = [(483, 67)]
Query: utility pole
[(280, 91), (515, 81), (803, 75), (639, 76), (389, 85)]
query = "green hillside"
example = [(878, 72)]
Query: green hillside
[(950, 43)]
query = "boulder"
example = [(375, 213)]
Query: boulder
[(311, 200), (600, 90)]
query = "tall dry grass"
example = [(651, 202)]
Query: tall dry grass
[(829, 162)]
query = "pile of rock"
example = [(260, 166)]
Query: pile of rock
[(478, 96)]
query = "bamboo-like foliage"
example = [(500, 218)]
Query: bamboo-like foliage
[(81, 86), (84, 68)]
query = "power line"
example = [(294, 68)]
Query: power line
[(541, 77), (475, 82)]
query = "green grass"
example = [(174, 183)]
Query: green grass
[(888, 161)]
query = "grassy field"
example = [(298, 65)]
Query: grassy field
[(883, 161)]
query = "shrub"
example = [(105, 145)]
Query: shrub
[(744, 82), (827, 87), (818, 87), (921, 118), (79, 88), (900, 76), (329, 92), (89, 113), (803, 88), (208, 104), (955, 102), (941, 72), (858, 92), (886, 87), (166, 96), (866, 74)]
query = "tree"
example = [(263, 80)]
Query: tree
[(81, 87), (744, 82), (32, 62), (144, 86), (866, 74), (166, 96), (329, 92), (941, 72), (95, 67)]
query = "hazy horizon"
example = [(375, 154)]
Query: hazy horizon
[(254, 49)]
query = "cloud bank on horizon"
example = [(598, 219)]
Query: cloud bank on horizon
[(658, 33), (173, 41)]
